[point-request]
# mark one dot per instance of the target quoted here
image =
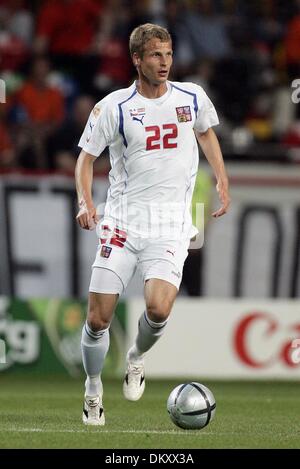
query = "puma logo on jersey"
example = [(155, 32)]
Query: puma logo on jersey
[(171, 252), (139, 120), (137, 114)]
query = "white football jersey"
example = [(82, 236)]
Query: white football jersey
[(153, 155)]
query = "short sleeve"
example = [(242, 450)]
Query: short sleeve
[(100, 129), (206, 116)]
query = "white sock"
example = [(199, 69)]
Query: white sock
[(93, 386), (148, 333), (94, 347)]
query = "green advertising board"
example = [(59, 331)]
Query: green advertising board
[(43, 336)]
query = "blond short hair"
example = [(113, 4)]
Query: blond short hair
[(143, 34)]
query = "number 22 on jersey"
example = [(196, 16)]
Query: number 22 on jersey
[(161, 138)]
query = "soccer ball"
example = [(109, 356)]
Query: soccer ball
[(191, 406)]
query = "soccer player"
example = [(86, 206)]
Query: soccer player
[(151, 130)]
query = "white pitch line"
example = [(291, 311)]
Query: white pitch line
[(42, 430)]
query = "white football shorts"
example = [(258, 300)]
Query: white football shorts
[(121, 253)]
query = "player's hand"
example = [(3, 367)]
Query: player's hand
[(87, 217), (222, 189)]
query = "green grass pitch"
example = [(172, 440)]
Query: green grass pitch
[(46, 413)]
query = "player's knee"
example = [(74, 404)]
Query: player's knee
[(159, 312), (96, 322)]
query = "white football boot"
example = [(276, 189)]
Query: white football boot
[(134, 382), (93, 412)]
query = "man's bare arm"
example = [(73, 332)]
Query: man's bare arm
[(210, 146), (86, 217)]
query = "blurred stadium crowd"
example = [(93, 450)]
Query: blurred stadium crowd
[(59, 57)]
